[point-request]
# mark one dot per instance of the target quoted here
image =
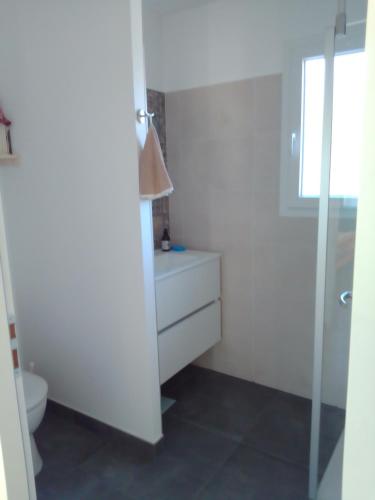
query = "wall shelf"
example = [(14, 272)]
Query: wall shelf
[(7, 157)]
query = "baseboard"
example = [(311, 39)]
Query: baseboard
[(142, 448)]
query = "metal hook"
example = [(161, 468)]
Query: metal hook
[(142, 115)]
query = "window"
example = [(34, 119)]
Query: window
[(346, 126), (302, 123)]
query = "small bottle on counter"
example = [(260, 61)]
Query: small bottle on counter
[(165, 241)]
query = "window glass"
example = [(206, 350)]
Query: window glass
[(346, 126)]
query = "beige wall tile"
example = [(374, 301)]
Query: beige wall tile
[(268, 103), (224, 159), (211, 112)]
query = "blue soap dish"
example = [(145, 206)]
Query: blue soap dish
[(178, 248)]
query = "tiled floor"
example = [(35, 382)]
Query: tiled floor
[(224, 439)]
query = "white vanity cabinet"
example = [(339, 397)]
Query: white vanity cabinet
[(188, 307)]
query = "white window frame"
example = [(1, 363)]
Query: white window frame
[(291, 204)]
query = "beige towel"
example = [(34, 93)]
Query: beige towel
[(154, 181)]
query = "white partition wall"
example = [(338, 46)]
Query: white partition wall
[(81, 270)]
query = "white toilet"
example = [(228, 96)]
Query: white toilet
[(35, 389)]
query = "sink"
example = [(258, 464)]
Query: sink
[(169, 263)]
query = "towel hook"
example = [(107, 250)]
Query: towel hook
[(143, 114)]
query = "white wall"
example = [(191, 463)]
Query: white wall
[(152, 29), (227, 41), (359, 448), (72, 209)]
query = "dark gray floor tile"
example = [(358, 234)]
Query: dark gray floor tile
[(332, 421), (232, 392), (169, 478), (188, 457), (227, 390), (326, 448), (41, 493), (202, 412), (200, 451), (283, 429), (251, 475), (76, 486), (218, 402), (63, 445), (176, 385), (111, 468), (193, 444)]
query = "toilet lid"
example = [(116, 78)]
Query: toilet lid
[(35, 389)]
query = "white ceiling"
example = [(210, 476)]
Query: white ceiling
[(165, 6)]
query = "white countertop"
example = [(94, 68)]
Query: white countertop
[(169, 263)]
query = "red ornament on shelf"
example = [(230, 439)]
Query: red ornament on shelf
[(4, 120), (5, 139)]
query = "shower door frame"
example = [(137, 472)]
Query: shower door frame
[(322, 246), (329, 54)]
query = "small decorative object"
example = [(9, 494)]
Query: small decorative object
[(166, 241), (5, 140)]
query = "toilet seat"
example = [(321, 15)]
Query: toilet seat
[(35, 389)]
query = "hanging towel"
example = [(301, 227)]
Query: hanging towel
[(154, 181)]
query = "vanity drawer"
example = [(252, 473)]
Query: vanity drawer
[(184, 342), (181, 294)]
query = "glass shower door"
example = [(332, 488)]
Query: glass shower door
[(338, 203)]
